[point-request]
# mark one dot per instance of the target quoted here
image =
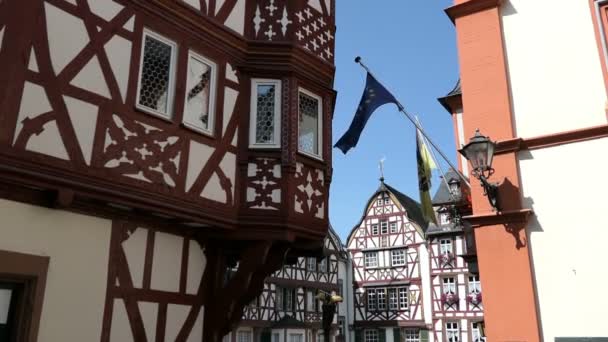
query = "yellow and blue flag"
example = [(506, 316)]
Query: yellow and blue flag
[(425, 166)]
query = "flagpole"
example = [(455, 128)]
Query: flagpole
[(413, 121)]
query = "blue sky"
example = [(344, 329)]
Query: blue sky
[(410, 46)]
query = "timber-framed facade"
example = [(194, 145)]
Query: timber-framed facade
[(125, 129)]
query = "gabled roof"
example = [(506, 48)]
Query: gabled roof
[(413, 208), (451, 96), (442, 196)]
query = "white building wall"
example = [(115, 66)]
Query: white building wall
[(74, 297), (568, 235), (554, 66)]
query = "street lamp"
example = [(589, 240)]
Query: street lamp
[(329, 310), (480, 152)]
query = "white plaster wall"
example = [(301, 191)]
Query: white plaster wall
[(425, 270), (76, 244), (554, 65), (568, 235)]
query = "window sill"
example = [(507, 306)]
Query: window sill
[(310, 155), (155, 113), (264, 147), (207, 133)]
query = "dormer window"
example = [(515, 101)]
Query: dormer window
[(265, 118)]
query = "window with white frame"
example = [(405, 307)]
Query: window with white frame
[(244, 336), (445, 246), (387, 200), (449, 285), (411, 335), (384, 227), (323, 265), (296, 338), (452, 332), (444, 218), (393, 227), (371, 335), (375, 229), (403, 298), (311, 264), (398, 257), (476, 335), (201, 84), (265, 118), (310, 300), (372, 301), (393, 301), (380, 201), (156, 75), (371, 259), (310, 123), (384, 241), (474, 284), (381, 293)]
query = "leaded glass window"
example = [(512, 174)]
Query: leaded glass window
[(155, 93), (309, 123), (265, 113)]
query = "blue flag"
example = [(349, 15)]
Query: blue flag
[(374, 96)]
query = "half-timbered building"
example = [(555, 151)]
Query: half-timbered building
[(390, 269), (288, 310), (158, 160), (456, 289)]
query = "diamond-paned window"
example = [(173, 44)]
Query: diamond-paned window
[(264, 124), (265, 113), (155, 92), (309, 124), (200, 93)]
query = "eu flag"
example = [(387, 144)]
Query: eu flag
[(374, 96)]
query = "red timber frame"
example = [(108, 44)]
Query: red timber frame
[(165, 195)]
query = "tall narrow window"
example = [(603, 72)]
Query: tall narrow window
[(265, 120), (296, 338), (452, 332), (310, 123), (381, 299), (393, 302), (402, 298), (201, 84), (323, 265), (476, 332), (372, 302), (156, 75), (375, 229), (278, 298), (393, 227), (371, 259), (384, 227)]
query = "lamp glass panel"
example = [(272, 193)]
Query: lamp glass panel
[(477, 154)]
